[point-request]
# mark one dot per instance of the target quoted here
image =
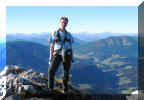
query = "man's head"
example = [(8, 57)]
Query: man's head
[(63, 22)]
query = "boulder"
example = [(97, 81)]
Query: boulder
[(1, 93), (19, 88), (15, 82), (9, 91), (42, 75), (28, 87), (29, 72), (24, 81), (10, 77)]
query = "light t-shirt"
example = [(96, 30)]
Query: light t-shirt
[(58, 45)]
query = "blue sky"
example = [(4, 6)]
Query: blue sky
[(93, 19)]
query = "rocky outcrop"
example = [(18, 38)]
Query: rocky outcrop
[(28, 85), (19, 81)]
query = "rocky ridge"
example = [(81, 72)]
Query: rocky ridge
[(28, 84)]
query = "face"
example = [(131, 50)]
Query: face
[(63, 24)]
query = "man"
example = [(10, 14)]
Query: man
[(60, 51)]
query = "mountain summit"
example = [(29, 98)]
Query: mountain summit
[(28, 84)]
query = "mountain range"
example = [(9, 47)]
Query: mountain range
[(89, 37), (124, 46), (79, 37), (103, 66), (34, 37)]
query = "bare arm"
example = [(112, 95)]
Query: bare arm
[(51, 51)]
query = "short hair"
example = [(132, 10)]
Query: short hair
[(64, 18)]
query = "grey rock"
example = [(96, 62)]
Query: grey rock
[(9, 84), (19, 84), (29, 72), (15, 82), (19, 69), (21, 81), (9, 91), (42, 75), (11, 70), (37, 78), (1, 93), (24, 81), (10, 77), (19, 88), (28, 87)]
